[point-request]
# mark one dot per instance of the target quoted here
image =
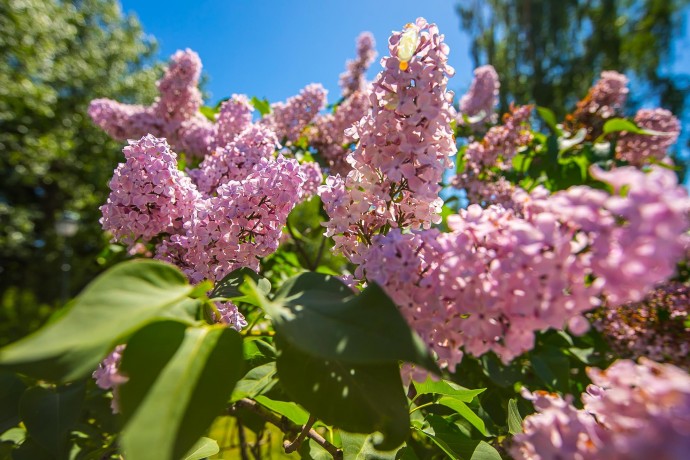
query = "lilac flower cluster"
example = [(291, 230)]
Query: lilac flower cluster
[(404, 145), (495, 151), (149, 195), (174, 115), (237, 219), (234, 117), (502, 274), (631, 411), (655, 328), (289, 119), (638, 149), (330, 135), (479, 102), (603, 101), (354, 79), (239, 225)]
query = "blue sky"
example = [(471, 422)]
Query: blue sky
[(274, 48)]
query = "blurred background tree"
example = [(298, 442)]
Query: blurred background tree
[(550, 52), (55, 57)]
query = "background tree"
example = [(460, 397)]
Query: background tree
[(550, 52), (55, 57)]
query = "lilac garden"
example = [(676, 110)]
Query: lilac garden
[(401, 273)]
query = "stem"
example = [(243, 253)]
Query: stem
[(256, 319), (294, 445), (284, 424), (423, 405), (320, 253), (298, 245), (243, 441)]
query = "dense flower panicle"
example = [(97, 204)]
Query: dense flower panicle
[(234, 117), (503, 274), (354, 78), (180, 97), (638, 149), (195, 135), (174, 116), (236, 159), (403, 145), (480, 101), (149, 195), (631, 411), (655, 328), (558, 431), (605, 98), (239, 225), (313, 178), (603, 101), (290, 118), (122, 121), (330, 135)]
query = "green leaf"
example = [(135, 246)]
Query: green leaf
[(32, 450), (462, 409), (552, 366), (191, 389), (514, 417), (309, 450), (229, 286), (361, 447), (343, 326), (445, 387), (257, 352), (621, 124), (11, 389), (356, 398), (208, 112), (114, 305), (292, 411), (49, 414), (257, 381), (204, 447), (262, 105), (454, 443), (549, 118)]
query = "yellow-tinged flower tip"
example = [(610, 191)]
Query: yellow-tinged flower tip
[(407, 45)]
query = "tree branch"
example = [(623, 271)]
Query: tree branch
[(294, 445), (286, 425)]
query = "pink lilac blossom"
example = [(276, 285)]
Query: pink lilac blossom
[(230, 315), (107, 375), (236, 159), (180, 97), (655, 328), (174, 115), (480, 101), (495, 151), (354, 79), (313, 178), (502, 274), (403, 146), (605, 98), (149, 195), (330, 135), (289, 119), (234, 117), (631, 411), (239, 225), (638, 149)]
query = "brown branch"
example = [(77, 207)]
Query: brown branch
[(286, 426), (292, 446)]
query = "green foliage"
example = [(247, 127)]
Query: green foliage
[(551, 52), (55, 57), (113, 306)]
